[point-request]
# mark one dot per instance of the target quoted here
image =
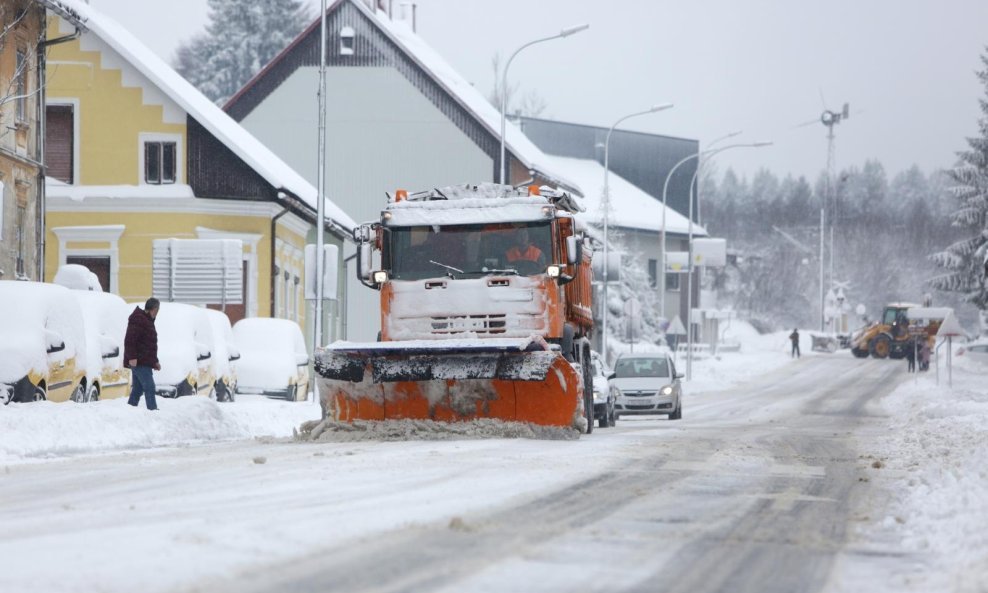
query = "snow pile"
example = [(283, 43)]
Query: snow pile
[(933, 460), (430, 430), (46, 429)]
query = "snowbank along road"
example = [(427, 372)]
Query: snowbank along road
[(754, 490)]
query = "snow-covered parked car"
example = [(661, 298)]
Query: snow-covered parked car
[(647, 384), (224, 352), (604, 399), (105, 320), (273, 359), (976, 351), (77, 277), (42, 343), (185, 340)]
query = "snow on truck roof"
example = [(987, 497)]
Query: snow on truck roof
[(477, 204), (262, 160)]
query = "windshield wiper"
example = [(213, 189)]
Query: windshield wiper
[(486, 270), (450, 268)]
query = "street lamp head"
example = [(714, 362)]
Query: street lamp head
[(571, 30), (761, 143), (660, 107)]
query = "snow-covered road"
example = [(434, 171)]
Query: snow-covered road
[(754, 489)]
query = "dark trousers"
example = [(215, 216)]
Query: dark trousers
[(912, 364), (795, 349), (142, 381)]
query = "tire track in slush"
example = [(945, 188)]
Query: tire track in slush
[(769, 547)]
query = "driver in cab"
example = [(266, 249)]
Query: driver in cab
[(524, 250)]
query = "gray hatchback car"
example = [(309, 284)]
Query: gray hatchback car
[(647, 384)]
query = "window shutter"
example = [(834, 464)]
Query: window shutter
[(59, 131), (198, 271)]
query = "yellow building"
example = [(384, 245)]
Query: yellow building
[(134, 153)]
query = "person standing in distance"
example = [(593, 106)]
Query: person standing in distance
[(141, 353), (794, 337)]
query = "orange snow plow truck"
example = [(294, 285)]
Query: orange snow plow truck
[(485, 312)]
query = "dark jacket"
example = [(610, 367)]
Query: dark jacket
[(142, 339)]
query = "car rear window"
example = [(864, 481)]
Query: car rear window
[(642, 367)]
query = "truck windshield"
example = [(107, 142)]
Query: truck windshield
[(468, 251)]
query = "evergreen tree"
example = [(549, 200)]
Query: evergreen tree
[(965, 260), (241, 38)]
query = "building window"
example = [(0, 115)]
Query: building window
[(296, 293), (60, 142), (160, 162), (346, 41), (672, 281), (21, 74), (653, 272)]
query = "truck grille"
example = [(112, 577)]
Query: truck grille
[(481, 324)]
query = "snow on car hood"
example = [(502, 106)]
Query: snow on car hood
[(640, 383), (178, 361)]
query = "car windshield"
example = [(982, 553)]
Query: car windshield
[(465, 251), (641, 367)]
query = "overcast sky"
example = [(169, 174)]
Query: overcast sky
[(764, 66)]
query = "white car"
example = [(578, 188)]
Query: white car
[(185, 339), (105, 319), (976, 351), (224, 350), (42, 343), (647, 384), (273, 359)]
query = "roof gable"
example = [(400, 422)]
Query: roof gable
[(247, 149), (379, 41)]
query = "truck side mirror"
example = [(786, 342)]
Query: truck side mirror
[(574, 250)]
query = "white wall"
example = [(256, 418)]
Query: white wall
[(381, 134)]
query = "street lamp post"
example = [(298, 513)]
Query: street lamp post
[(607, 208), (690, 266), (504, 85)]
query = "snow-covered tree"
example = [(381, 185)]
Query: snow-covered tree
[(529, 104), (241, 38), (965, 260)]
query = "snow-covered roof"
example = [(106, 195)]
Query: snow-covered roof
[(469, 97), (631, 207), (262, 160)]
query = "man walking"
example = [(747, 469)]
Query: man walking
[(794, 338), (141, 353)]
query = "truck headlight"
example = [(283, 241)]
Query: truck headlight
[(553, 271), (380, 277)]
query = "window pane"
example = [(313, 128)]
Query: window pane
[(653, 273), (672, 281), (21, 74), (168, 162), (152, 162)]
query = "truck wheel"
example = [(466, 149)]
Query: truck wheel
[(880, 347)]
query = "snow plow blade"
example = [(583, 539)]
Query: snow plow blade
[(507, 379)]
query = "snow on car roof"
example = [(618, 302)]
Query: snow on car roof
[(198, 106), (257, 332)]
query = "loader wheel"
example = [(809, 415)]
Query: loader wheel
[(859, 352), (880, 347)]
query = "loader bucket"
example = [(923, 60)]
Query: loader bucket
[(515, 380)]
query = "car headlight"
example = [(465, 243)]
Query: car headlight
[(667, 390), (615, 392), (597, 395)]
